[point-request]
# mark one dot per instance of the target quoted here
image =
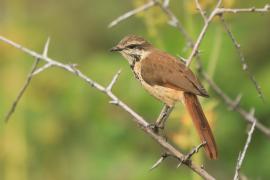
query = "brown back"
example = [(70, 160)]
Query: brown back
[(160, 68)]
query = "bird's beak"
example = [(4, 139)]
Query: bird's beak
[(114, 49)]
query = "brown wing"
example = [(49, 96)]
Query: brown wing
[(160, 68)]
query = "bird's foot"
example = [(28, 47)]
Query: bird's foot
[(156, 127)]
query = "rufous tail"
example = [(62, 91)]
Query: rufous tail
[(195, 110)]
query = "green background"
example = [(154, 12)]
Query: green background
[(62, 129)]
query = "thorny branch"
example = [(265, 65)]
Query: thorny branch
[(234, 105), (242, 155), (199, 8), (27, 82), (202, 33), (186, 159), (219, 11), (191, 153), (173, 20), (143, 124), (248, 116), (242, 58), (265, 9)]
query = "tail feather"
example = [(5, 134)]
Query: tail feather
[(195, 110)]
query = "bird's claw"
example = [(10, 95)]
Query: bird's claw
[(155, 127)]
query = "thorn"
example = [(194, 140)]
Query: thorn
[(245, 66), (46, 47), (159, 161), (236, 102), (73, 65), (181, 161), (184, 60), (187, 157), (252, 111), (166, 3), (116, 102), (114, 79), (172, 22)]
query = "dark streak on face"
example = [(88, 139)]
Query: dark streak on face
[(136, 57)]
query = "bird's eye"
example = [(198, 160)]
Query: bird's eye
[(132, 46)]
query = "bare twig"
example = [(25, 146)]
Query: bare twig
[(219, 11), (202, 12), (125, 16), (242, 155), (202, 34), (195, 150), (265, 9), (27, 82), (242, 58), (142, 123), (21, 92), (174, 21), (186, 159)]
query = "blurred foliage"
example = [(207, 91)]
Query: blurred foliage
[(62, 129)]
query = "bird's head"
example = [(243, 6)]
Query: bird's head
[(133, 47)]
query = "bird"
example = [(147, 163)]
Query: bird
[(168, 79)]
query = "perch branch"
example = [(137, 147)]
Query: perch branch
[(142, 123), (226, 99)]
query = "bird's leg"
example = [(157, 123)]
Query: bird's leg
[(163, 116)]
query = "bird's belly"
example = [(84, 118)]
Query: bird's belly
[(167, 95)]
